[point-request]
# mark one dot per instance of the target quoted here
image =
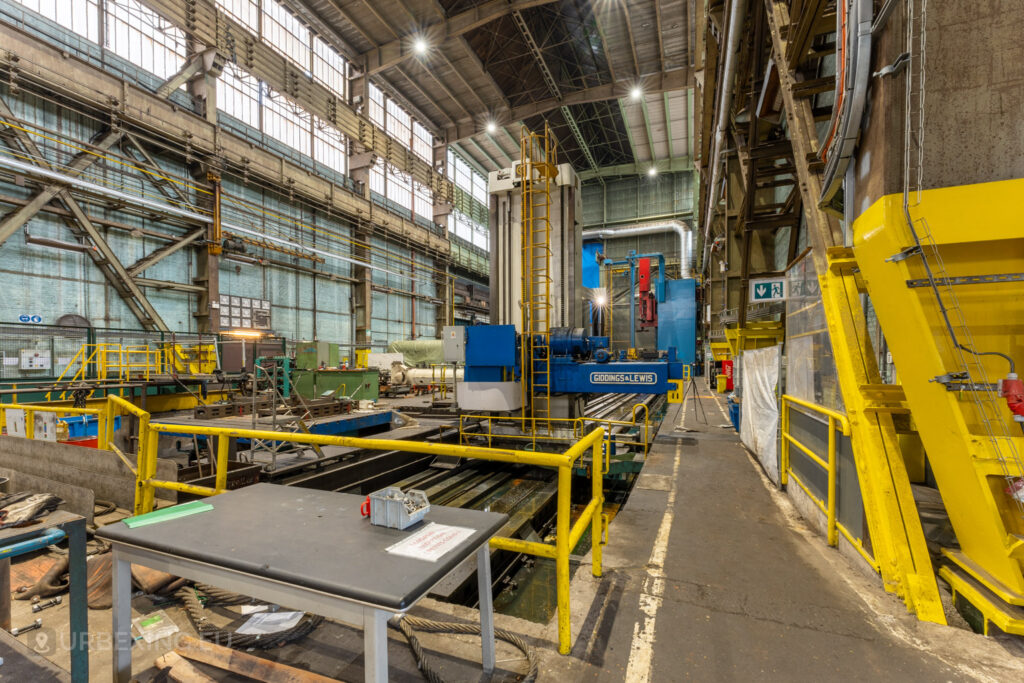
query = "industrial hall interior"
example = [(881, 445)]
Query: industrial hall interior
[(511, 340)]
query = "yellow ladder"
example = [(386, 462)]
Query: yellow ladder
[(537, 171)]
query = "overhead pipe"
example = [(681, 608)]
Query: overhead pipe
[(92, 188), (853, 20), (737, 16), (32, 170), (681, 228)]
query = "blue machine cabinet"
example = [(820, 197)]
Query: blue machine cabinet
[(677, 319)]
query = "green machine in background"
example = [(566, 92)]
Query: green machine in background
[(313, 355), (356, 384)]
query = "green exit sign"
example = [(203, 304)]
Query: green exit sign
[(769, 289)]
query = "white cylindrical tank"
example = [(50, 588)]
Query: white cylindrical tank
[(422, 377)]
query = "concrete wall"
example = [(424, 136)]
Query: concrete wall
[(101, 472), (974, 99)]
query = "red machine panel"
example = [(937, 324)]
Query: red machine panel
[(643, 272)]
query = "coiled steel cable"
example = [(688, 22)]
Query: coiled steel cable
[(405, 624), (195, 609)]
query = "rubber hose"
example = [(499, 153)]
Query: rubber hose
[(50, 584), (407, 623), (103, 507)]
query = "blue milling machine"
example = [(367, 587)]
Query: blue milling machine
[(579, 363)]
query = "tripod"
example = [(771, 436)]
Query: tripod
[(691, 390)]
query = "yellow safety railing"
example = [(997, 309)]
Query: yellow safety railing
[(112, 362), (567, 534), (31, 410), (557, 428), (830, 464)]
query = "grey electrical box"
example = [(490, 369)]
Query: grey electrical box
[(453, 343)]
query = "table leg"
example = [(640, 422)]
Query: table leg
[(79, 610), (122, 612), (375, 645), (483, 577), (5, 594)]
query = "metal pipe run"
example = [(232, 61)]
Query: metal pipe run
[(34, 171), (682, 229), (737, 15)]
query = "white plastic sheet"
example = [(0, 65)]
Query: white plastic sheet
[(759, 421)]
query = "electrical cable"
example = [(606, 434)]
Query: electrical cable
[(406, 625)]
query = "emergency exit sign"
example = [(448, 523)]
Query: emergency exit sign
[(770, 289)]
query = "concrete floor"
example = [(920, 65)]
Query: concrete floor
[(709, 575)]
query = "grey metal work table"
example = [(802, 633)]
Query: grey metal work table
[(302, 549)]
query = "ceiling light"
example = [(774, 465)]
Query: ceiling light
[(491, 127), (636, 92), (420, 46), (652, 171)]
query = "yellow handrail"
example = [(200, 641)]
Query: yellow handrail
[(573, 427), (831, 466), (566, 534), (31, 410)]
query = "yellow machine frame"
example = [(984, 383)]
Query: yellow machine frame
[(972, 232)]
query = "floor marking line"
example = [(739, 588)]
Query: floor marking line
[(641, 650)]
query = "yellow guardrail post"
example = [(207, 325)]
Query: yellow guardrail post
[(101, 429), (830, 465), (149, 440), (221, 482), (597, 471), (831, 514), (784, 454), (562, 557)]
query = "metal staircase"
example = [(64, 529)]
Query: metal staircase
[(537, 171)]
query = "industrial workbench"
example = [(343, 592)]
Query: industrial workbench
[(305, 550)]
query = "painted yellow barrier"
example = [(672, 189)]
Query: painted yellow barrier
[(556, 428), (830, 464), (31, 410), (567, 535)]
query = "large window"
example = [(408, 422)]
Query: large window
[(286, 122), (330, 68), (422, 142), (245, 12), (145, 39), (329, 146), (422, 202), (286, 34), (376, 105), (238, 94), (80, 16), (474, 185)]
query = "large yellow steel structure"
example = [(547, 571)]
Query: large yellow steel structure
[(893, 523), (972, 250), (537, 171)]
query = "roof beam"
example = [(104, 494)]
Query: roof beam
[(629, 131), (470, 159), (647, 127), (494, 141), (679, 164), (486, 154), (668, 126), (666, 81), (401, 48)]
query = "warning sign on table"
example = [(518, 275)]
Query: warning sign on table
[(432, 542)]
